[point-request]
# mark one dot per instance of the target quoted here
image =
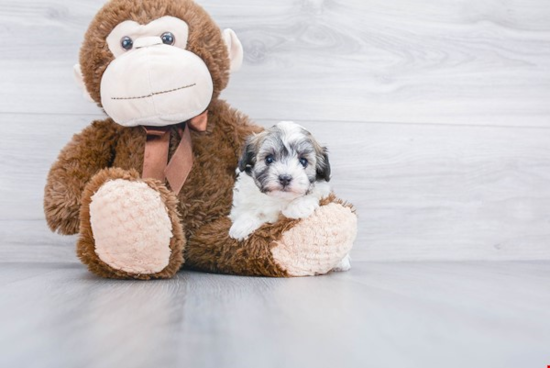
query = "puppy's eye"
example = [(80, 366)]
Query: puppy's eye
[(269, 159), (126, 43), (304, 162), (168, 38)]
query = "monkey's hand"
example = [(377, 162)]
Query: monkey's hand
[(86, 154)]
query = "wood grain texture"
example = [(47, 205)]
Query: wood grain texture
[(462, 172), (410, 315), (422, 191), (459, 62)]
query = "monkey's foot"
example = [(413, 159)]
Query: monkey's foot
[(129, 227), (318, 243)]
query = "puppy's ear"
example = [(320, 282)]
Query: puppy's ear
[(248, 158), (323, 165)]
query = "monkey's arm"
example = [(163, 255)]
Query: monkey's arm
[(86, 154), (307, 247)]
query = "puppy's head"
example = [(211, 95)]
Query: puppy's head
[(285, 160)]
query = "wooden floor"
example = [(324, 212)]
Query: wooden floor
[(437, 117), (456, 315)]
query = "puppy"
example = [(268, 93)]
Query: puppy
[(282, 170)]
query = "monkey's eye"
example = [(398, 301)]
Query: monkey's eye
[(269, 159), (168, 38), (126, 43), (304, 162)]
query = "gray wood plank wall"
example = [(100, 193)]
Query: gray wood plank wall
[(437, 115)]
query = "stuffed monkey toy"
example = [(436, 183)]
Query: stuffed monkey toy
[(149, 188)]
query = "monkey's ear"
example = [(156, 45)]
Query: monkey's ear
[(234, 49), (79, 78)]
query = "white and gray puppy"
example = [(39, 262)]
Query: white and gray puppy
[(282, 170)]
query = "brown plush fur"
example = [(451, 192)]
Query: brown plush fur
[(199, 214), (82, 158), (251, 257), (211, 249)]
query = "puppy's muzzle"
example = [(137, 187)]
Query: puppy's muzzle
[(285, 180)]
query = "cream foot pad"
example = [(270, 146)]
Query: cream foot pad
[(318, 243), (131, 227)]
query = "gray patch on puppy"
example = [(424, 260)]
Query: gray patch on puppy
[(285, 160)]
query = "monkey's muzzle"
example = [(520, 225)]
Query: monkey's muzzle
[(156, 85)]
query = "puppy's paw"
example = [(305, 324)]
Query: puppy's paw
[(241, 229), (344, 265), (301, 208)]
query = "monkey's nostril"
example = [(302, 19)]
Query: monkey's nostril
[(285, 180)]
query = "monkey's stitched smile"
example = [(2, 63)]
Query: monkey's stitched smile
[(154, 93)]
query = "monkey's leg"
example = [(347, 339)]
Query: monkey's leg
[(311, 246), (129, 227), (319, 243)]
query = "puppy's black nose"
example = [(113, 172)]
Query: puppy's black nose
[(285, 180)]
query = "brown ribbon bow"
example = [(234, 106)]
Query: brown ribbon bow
[(155, 159)]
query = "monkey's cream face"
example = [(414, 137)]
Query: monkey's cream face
[(285, 161), (153, 79)]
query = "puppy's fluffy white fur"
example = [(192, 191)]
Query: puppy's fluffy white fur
[(252, 208), (282, 170)]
